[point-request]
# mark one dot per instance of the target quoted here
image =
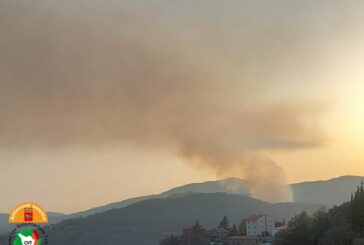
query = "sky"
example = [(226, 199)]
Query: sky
[(105, 100)]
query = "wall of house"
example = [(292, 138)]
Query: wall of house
[(261, 225)]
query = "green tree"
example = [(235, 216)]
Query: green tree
[(338, 234), (224, 223), (357, 211), (298, 232), (321, 222), (198, 237), (338, 226), (233, 230), (197, 228), (242, 227)]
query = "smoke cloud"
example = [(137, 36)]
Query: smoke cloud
[(213, 85)]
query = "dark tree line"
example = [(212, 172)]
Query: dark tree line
[(225, 224), (199, 235), (337, 226)]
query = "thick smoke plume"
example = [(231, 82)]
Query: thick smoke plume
[(88, 74)]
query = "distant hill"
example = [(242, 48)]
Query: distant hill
[(329, 192), (144, 223), (326, 192), (110, 206), (231, 185)]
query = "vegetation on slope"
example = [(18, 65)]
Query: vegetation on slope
[(341, 225)]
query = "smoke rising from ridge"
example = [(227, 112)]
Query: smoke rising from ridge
[(209, 89)]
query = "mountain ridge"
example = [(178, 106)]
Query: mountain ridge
[(145, 222), (322, 192), (242, 188)]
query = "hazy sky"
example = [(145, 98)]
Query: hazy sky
[(105, 100)]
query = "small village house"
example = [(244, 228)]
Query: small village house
[(259, 225)]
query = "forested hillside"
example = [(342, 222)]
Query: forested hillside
[(341, 225), (146, 222)]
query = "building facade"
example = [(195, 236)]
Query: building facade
[(259, 225)]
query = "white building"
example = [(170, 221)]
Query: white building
[(257, 225)]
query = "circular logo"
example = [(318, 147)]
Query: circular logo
[(28, 234)]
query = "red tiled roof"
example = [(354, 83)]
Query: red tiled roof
[(255, 217)]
